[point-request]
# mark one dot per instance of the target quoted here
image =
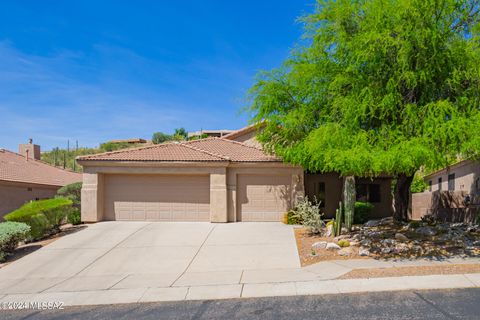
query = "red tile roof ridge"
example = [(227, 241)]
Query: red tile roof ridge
[(86, 157), (241, 143), (216, 155)]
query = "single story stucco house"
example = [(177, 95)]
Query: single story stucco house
[(225, 179), (23, 177)]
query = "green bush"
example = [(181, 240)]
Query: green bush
[(11, 233), (74, 217), (418, 184), (362, 212), (73, 192), (43, 216), (344, 243)]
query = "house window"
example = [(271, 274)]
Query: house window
[(319, 191), (451, 182), (29, 189), (368, 192), (430, 185), (362, 192), (439, 184)]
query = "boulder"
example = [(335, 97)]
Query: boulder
[(401, 237), (372, 223), (333, 246), (386, 250), (366, 242), (345, 252), (364, 252), (426, 231), (320, 245)]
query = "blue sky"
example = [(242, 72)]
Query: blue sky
[(98, 70)]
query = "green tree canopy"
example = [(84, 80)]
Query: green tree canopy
[(159, 137), (378, 86)]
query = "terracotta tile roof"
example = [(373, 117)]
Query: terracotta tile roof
[(233, 150), (242, 131), (202, 150), (14, 167)]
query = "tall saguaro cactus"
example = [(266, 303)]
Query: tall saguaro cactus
[(349, 197)]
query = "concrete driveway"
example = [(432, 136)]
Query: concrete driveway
[(139, 255)]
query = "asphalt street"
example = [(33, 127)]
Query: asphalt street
[(434, 304)]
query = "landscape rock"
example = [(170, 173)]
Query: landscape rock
[(333, 246), (372, 223), (345, 252), (320, 244), (426, 231), (401, 237), (363, 252), (386, 250)]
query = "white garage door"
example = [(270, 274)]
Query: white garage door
[(263, 197), (157, 197)]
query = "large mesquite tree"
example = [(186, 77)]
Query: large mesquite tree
[(377, 87)]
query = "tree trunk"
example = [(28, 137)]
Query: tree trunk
[(349, 198), (401, 197)]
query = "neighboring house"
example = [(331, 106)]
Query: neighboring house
[(23, 177), (453, 192), (214, 179), (209, 133)]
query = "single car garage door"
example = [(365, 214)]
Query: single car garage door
[(263, 197), (157, 197)]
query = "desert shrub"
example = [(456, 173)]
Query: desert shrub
[(292, 217), (73, 192), (344, 243), (43, 216), (362, 212), (74, 216), (11, 233), (310, 215)]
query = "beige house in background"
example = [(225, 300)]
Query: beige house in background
[(224, 179), (23, 177), (452, 191)]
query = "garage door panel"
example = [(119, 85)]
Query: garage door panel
[(263, 197), (157, 197)]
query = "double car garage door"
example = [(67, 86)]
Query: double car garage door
[(187, 197)]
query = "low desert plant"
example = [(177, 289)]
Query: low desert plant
[(11, 233), (363, 211), (310, 215), (344, 243), (292, 217), (43, 216), (74, 216), (73, 192)]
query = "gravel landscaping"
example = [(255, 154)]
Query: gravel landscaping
[(384, 239)]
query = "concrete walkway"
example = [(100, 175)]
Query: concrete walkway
[(116, 262)]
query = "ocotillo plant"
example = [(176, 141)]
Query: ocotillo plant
[(338, 220)]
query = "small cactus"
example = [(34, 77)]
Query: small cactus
[(338, 220)]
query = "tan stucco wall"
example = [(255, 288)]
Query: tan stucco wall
[(13, 195), (222, 183), (333, 193), (249, 139), (467, 177)]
